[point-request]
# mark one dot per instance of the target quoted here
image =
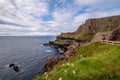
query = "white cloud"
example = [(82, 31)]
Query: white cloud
[(24, 17), (32, 7), (86, 2), (62, 16), (21, 12), (98, 5)]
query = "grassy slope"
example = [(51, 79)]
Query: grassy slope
[(92, 62), (82, 36)]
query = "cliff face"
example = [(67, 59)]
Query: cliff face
[(100, 25), (69, 42), (52, 61), (115, 35)]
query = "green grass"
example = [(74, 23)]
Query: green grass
[(92, 62), (63, 42), (82, 36), (72, 37)]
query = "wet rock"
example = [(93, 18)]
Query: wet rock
[(46, 44), (11, 65), (14, 67)]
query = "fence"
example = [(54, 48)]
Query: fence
[(110, 42)]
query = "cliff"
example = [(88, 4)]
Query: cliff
[(115, 35), (91, 30), (52, 61), (106, 24), (87, 31)]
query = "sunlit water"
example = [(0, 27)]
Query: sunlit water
[(26, 52)]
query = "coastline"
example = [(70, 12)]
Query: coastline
[(87, 34)]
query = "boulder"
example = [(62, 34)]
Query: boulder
[(15, 67), (11, 65)]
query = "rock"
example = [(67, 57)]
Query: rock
[(52, 61), (11, 65), (95, 25), (15, 67), (99, 35), (115, 35), (46, 44)]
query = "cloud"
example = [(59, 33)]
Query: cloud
[(34, 7), (98, 5), (86, 2), (50, 17)]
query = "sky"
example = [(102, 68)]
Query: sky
[(50, 17)]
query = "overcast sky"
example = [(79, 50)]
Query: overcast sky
[(50, 17)]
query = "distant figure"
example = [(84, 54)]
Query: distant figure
[(103, 37), (15, 67)]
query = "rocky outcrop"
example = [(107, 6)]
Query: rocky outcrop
[(115, 35), (100, 35), (51, 61), (112, 36), (95, 25), (15, 67)]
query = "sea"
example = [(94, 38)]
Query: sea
[(27, 52)]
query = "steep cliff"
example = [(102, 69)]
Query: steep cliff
[(87, 31), (115, 35), (52, 61), (99, 25)]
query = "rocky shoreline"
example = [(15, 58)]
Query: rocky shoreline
[(52, 61)]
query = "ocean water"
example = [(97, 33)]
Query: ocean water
[(26, 52)]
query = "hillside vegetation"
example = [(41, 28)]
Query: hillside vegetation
[(94, 61)]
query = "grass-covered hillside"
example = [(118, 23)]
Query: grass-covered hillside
[(95, 61), (70, 38)]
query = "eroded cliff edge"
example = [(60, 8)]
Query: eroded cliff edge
[(69, 42)]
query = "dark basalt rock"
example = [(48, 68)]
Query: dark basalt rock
[(60, 47), (46, 44), (15, 67), (11, 65)]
